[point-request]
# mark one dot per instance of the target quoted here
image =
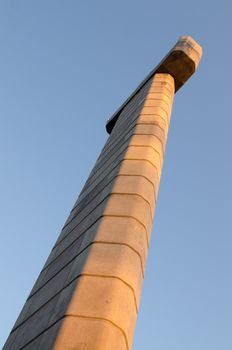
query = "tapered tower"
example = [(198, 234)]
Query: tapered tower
[(87, 294)]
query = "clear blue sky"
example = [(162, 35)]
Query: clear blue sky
[(65, 66)]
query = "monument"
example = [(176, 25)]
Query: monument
[(87, 294)]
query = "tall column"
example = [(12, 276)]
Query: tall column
[(87, 295)]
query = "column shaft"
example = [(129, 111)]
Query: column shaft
[(87, 295)]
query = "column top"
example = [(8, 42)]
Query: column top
[(180, 62)]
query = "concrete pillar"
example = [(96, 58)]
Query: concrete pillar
[(87, 295)]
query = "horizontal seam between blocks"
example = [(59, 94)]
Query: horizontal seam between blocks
[(78, 316), (63, 267), (132, 109), (67, 285), (78, 254), (156, 137), (161, 82), (151, 134), (156, 86), (167, 113), (157, 105), (81, 234), (135, 108), (123, 138), (91, 211), (117, 165), (102, 189), (103, 319), (126, 245), (115, 194), (152, 123), (162, 92), (131, 217), (139, 121), (105, 198), (137, 159), (151, 98), (170, 95), (166, 122), (111, 181), (126, 121), (134, 194), (123, 118), (117, 143), (148, 122), (162, 97), (156, 100), (148, 146), (117, 278), (110, 153), (85, 231), (78, 202), (158, 126), (133, 120), (143, 176), (141, 159), (100, 168), (113, 215), (117, 140), (41, 333)]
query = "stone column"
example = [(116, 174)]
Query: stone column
[(87, 295)]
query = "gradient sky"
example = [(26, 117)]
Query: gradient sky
[(65, 66)]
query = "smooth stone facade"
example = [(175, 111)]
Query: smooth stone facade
[(87, 294)]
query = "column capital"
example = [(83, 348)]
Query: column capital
[(180, 62)]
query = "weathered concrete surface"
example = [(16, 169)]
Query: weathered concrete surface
[(87, 294)]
